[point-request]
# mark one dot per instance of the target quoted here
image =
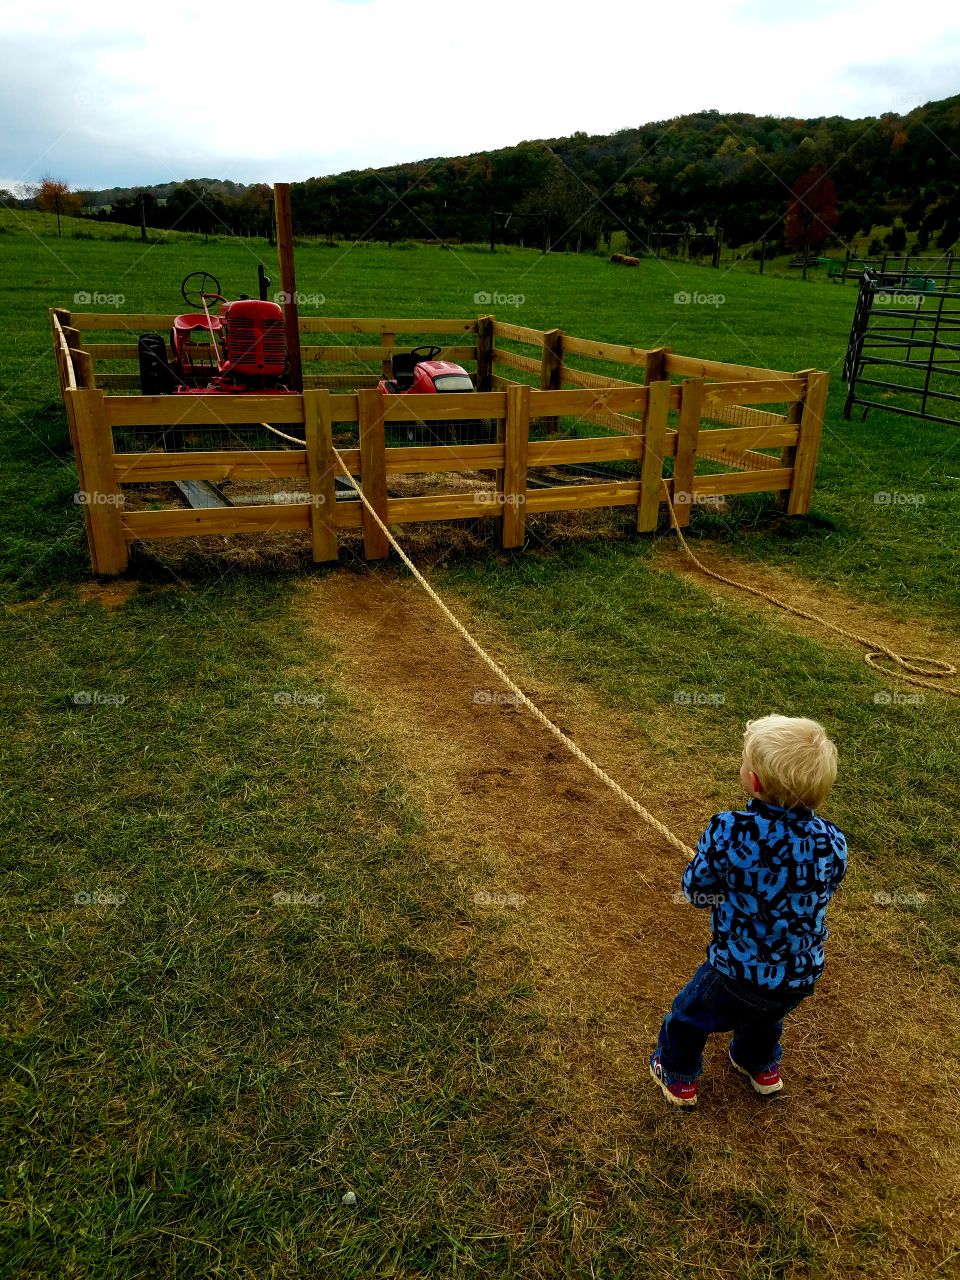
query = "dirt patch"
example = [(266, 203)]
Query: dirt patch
[(867, 1130), (111, 595)]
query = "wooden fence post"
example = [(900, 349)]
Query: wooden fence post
[(288, 281), (551, 370), (516, 442), (373, 470), (653, 370), (80, 358), (61, 359), (485, 348), (788, 453), (68, 382), (61, 318), (100, 492), (496, 475), (81, 479), (651, 468), (688, 434), (808, 446), (321, 467)]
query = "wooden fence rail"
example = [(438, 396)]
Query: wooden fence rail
[(663, 427)]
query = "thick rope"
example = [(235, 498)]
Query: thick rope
[(907, 665), (283, 435), (515, 689), (499, 672), (921, 671)]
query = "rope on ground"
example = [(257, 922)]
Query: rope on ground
[(515, 689), (917, 670), (921, 671), (499, 672)]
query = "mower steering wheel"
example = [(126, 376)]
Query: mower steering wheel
[(195, 293), (427, 352)]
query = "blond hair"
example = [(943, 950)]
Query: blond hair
[(794, 759)]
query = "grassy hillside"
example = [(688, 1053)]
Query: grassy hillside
[(245, 972), (32, 222), (899, 553)]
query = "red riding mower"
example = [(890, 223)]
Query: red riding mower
[(240, 351), (419, 372)]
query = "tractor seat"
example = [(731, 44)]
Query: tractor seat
[(186, 324), (404, 364)]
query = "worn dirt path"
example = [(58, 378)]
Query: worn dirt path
[(868, 1127)]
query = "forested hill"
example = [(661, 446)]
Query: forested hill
[(682, 175), (691, 172)]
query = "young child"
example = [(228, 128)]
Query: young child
[(768, 872)]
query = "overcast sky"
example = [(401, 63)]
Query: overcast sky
[(106, 94)]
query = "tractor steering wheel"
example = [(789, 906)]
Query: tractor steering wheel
[(427, 352), (195, 293)]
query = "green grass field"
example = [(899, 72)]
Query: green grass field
[(198, 1069), (900, 553)]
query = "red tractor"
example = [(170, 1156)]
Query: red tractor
[(419, 372), (242, 350)]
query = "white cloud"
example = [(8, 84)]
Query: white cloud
[(120, 93)]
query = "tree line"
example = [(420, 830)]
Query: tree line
[(799, 182)]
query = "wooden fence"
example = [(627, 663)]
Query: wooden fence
[(712, 414)]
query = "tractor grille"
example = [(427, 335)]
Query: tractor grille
[(256, 342)]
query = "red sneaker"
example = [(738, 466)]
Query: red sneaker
[(764, 1082), (681, 1095)]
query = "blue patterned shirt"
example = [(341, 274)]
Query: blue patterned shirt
[(768, 874)]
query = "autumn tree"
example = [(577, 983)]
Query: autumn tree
[(812, 214), (569, 206), (55, 196)]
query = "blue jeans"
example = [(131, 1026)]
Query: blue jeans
[(712, 1002)]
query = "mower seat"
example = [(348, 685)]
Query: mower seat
[(404, 365), (186, 324)]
